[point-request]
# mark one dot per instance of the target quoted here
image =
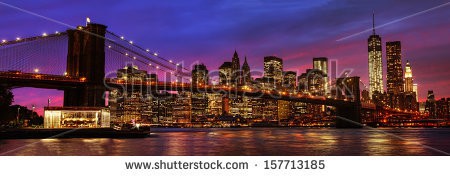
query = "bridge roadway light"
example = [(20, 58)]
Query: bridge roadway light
[(4, 41), (44, 34), (121, 37), (36, 70), (17, 38), (131, 42)]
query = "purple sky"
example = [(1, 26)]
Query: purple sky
[(209, 31)]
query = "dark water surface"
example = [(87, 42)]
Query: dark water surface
[(247, 141)]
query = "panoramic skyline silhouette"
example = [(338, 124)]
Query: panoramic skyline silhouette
[(210, 31)]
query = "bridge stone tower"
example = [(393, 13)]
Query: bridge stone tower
[(349, 114), (86, 59)]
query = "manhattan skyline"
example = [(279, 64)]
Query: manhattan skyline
[(295, 33)]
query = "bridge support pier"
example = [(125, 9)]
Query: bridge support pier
[(349, 116), (86, 60)]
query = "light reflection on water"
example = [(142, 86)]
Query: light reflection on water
[(245, 141)]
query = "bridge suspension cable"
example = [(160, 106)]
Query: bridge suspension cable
[(40, 54), (148, 52), (134, 56)]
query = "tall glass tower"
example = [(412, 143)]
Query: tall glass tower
[(375, 62)]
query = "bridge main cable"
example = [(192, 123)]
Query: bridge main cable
[(29, 39)]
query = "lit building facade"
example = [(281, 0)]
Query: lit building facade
[(130, 105), (395, 83), (182, 107), (408, 78), (76, 117), (312, 82), (321, 63), (290, 81), (214, 104), (394, 67), (375, 63), (273, 69), (199, 104)]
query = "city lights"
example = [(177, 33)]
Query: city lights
[(36, 70)]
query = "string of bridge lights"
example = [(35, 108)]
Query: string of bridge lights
[(153, 53), (19, 39), (143, 62)]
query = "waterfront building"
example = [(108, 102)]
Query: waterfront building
[(375, 62), (76, 117), (214, 104), (285, 109), (199, 104), (182, 107), (241, 106), (129, 106)]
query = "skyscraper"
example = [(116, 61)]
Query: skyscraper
[(273, 69), (394, 67), (415, 89), (321, 63), (246, 77), (408, 78), (236, 69), (200, 75), (375, 62), (290, 80), (225, 71), (430, 105)]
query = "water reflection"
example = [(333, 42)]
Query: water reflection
[(245, 141)]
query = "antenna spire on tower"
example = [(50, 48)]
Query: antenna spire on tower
[(373, 22)]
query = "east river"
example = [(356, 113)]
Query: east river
[(247, 141)]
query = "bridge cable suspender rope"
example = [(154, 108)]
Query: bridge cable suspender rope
[(142, 56), (29, 39), (145, 63), (148, 51)]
